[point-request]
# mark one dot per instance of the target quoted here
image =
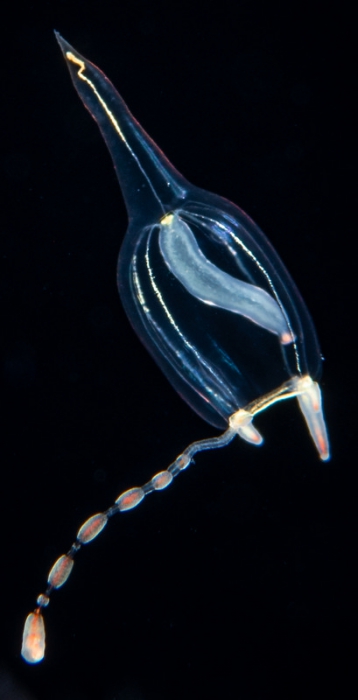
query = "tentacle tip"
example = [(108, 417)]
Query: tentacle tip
[(33, 639)]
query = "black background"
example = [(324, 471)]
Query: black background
[(237, 582)]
